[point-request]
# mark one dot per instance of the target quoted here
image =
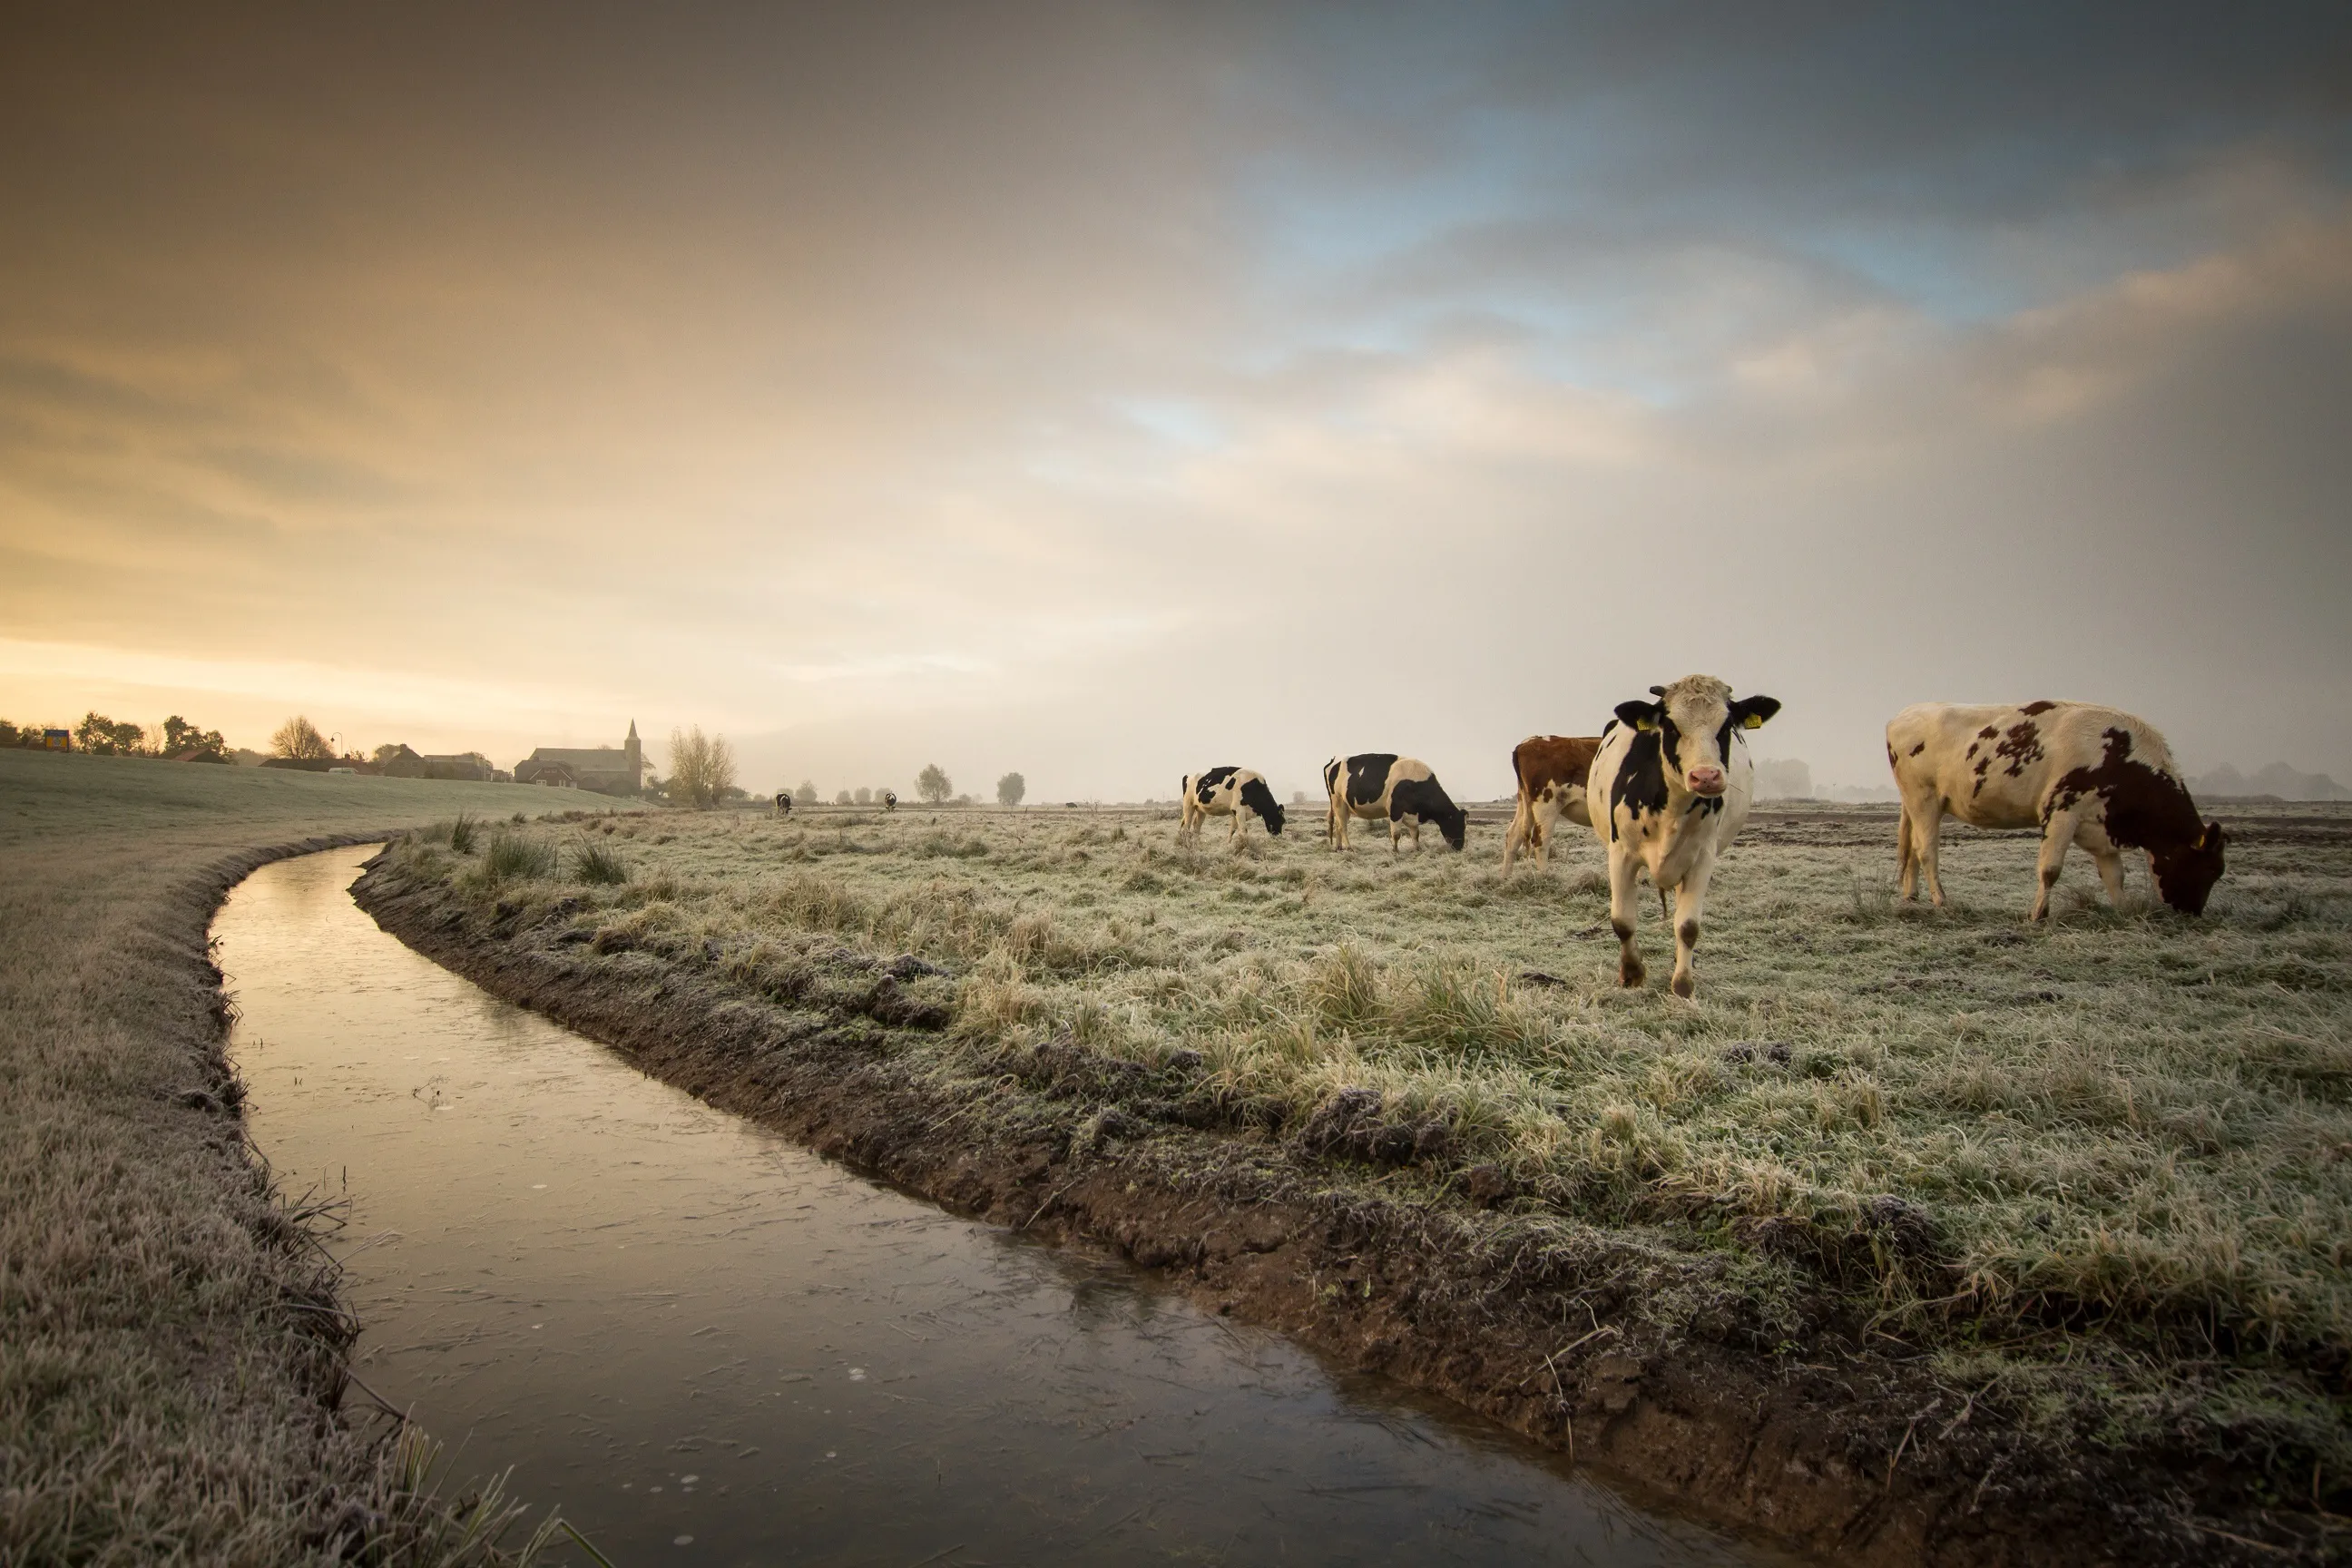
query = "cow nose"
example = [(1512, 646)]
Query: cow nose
[(1707, 781)]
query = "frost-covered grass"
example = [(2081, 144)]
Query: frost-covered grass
[(2125, 1128)]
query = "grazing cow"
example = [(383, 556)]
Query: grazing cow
[(1669, 788), (1377, 785), (890, 800), (784, 803), (1228, 792), (2081, 773), (1552, 771)]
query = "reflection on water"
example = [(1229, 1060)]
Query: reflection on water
[(706, 1345)]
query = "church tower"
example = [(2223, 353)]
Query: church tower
[(637, 760)]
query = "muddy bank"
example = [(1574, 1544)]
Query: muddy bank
[(1834, 1443)]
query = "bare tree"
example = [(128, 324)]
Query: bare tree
[(701, 768), (300, 739), (1010, 789), (933, 785)]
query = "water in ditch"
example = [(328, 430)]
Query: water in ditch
[(706, 1345)]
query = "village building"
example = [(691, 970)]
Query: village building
[(469, 766), (607, 770)]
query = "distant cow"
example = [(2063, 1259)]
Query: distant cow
[(1552, 771), (1228, 792), (2081, 773), (1672, 782), (784, 803), (1377, 785), (890, 800)]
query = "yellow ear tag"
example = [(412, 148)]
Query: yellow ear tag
[(1645, 724), (1753, 722)]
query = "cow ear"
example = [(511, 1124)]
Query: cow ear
[(2212, 837), (1638, 715), (1751, 712)]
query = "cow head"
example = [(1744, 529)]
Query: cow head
[(1260, 799), (1454, 823), (2185, 873), (1695, 718)]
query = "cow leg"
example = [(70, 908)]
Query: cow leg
[(1544, 818), (1622, 870), (1335, 824), (1522, 827), (1690, 901), (1907, 869), (1926, 832), (2057, 838), (2111, 872)]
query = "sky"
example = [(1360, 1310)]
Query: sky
[(1105, 392)]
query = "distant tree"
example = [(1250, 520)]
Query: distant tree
[(1298, 797), (864, 796), (655, 787), (933, 784), (1010, 789), (806, 794), (388, 751), (701, 768), (98, 734), (300, 739), (10, 734), (179, 736), (841, 797)]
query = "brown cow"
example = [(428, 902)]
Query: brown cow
[(1552, 771)]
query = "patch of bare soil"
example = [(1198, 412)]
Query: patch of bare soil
[(1840, 1444)]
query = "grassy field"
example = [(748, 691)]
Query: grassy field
[(2100, 1171), (170, 1338)]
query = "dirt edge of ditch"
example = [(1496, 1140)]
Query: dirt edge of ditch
[(1842, 1450)]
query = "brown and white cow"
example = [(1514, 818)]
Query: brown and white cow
[(1401, 791), (2081, 773), (1552, 771), (1669, 788), (1228, 792)]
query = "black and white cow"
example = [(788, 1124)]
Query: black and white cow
[(1669, 788), (890, 800), (2081, 773), (1377, 785), (784, 803), (1228, 792)]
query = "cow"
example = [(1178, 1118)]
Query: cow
[(1552, 771), (2081, 773), (784, 803), (1376, 785), (1669, 789), (1228, 792), (890, 800)]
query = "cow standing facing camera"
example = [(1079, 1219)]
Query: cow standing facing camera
[(1669, 789), (784, 803), (890, 800), (1228, 792), (1383, 786), (2081, 773)]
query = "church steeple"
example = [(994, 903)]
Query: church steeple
[(636, 759)]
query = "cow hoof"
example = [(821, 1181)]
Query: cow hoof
[(1684, 986), (1630, 975)]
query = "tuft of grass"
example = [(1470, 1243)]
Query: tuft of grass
[(599, 864), (517, 857), (462, 833)]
